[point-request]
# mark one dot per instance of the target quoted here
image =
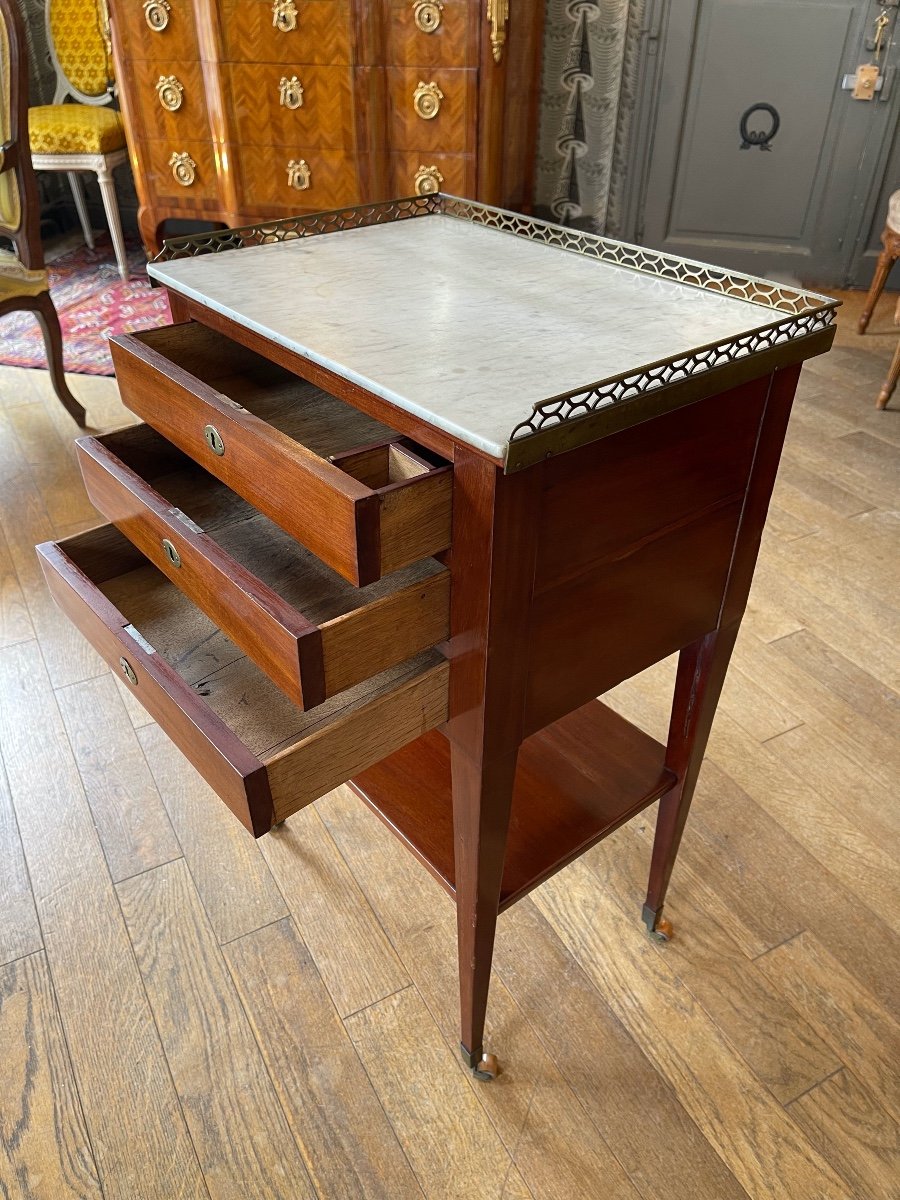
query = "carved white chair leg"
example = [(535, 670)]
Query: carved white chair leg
[(81, 207), (111, 208)]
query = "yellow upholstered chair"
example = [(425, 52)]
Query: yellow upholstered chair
[(23, 280), (86, 135)]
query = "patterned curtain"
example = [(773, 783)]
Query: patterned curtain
[(587, 102)]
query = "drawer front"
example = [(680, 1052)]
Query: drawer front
[(432, 111), (167, 101), (183, 173), (432, 33), (291, 105), (290, 178), (164, 30), (414, 174), (231, 770), (361, 530), (318, 31), (309, 659), (261, 786)]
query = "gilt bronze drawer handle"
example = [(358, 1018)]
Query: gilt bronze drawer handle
[(427, 14), (427, 100), (170, 92), (156, 14), (290, 92), (498, 15), (427, 181), (184, 169), (284, 15), (299, 175)]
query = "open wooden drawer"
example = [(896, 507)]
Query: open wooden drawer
[(270, 436), (313, 633), (265, 757)]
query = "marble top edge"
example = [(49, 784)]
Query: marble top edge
[(686, 271), (422, 291)]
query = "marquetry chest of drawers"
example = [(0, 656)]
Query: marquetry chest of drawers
[(247, 110), (401, 534)]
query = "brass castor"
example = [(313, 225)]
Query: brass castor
[(663, 931), (488, 1068)]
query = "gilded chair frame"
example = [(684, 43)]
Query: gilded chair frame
[(101, 165), (22, 223)]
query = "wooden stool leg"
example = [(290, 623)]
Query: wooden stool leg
[(45, 312), (882, 270), (891, 382), (698, 683), (482, 798)]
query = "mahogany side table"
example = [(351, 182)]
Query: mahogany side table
[(419, 481)]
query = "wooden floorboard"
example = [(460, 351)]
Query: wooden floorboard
[(185, 1012)]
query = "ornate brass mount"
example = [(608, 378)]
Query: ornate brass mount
[(427, 100), (498, 15), (427, 181), (284, 15), (427, 14), (184, 169), (170, 92), (290, 92), (299, 174), (156, 14)]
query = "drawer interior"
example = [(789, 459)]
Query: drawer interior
[(325, 425), (273, 556), (240, 695)]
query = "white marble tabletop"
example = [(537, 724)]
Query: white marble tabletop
[(464, 326)]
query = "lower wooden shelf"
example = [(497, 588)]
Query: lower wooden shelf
[(577, 780)]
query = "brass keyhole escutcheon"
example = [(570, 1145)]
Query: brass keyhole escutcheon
[(427, 15), (427, 100), (214, 440), (128, 670), (427, 181), (184, 169), (156, 14), (171, 553), (290, 92), (284, 15), (170, 92), (299, 175)]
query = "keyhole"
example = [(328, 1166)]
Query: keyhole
[(214, 439), (128, 670), (171, 553)]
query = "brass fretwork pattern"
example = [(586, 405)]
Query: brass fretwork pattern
[(801, 313), (572, 405)]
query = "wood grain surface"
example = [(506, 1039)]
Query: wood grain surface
[(753, 1055)]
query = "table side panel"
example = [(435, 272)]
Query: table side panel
[(636, 542)]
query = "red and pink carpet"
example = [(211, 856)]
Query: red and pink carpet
[(93, 303)]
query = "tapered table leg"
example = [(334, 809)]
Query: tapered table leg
[(482, 798), (698, 684)]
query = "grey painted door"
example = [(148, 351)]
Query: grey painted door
[(751, 153)]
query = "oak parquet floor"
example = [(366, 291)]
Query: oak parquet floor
[(185, 1013)]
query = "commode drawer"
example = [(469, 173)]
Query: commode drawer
[(312, 633), (265, 757), (351, 490)]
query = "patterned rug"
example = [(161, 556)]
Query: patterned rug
[(93, 303)]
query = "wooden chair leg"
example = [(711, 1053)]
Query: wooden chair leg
[(81, 207), (47, 317), (886, 260), (891, 382), (111, 208)]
